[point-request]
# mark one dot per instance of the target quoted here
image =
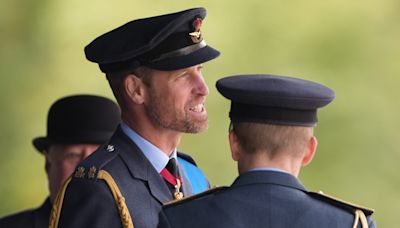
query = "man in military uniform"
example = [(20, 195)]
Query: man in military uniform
[(271, 138), (153, 66), (76, 126)]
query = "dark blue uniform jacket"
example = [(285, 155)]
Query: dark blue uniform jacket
[(88, 201), (260, 199)]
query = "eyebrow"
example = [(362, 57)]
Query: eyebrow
[(180, 73)]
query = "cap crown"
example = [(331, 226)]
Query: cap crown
[(274, 99), (144, 41)]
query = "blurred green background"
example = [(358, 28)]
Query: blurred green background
[(351, 46)]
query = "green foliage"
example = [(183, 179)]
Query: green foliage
[(351, 46)]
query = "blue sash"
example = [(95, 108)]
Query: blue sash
[(195, 176)]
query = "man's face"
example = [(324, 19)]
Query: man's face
[(176, 99), (61, 161)]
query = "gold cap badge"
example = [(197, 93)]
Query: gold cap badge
[(196, 34)]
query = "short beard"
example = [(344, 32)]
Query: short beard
[(185, 125)]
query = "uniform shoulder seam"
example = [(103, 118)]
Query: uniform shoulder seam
[(91, 166), (340, 203), (194, 197)]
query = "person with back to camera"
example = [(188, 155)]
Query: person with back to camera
[(271, 139)]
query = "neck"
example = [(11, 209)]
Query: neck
[(260, 160), (165, 139)]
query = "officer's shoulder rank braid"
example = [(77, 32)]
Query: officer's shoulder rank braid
[(91, 166), (340, 203), (194, 197), (90, 169)]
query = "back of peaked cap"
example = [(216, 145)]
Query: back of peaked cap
[(274, 99), (79, 119), (167, 42)]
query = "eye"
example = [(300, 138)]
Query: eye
[(181, 76), (72, 156)]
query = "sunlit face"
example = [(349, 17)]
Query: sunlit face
[(61, 161), (176, 99)]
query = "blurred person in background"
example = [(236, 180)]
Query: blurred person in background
[(76, 126), (154, 67), (271, 138)]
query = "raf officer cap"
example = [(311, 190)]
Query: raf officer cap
[(274, 99), (79, 119), (167, 42)]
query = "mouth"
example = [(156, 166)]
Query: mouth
[(198, 108)]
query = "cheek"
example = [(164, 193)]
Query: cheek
[(179, 98), (173, 99), (62, 171)]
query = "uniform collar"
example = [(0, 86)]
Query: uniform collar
[(157, 157), (268, 177), (268, 169)]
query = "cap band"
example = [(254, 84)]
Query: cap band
[(143, 60), (274, 115), (182, 51)]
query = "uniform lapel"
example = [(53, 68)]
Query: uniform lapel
[(139, 167)]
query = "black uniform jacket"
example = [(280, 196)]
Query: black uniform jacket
[(88, 201), (34, 218), (261, 199)]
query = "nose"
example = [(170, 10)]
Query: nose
[(201, 87)]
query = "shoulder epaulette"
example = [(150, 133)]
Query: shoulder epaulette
[(186, 157), (90, 167), (123, 210), (194, 197), (340, 203)]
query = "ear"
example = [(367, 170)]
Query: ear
[(311, 149), (134, 88), (235, 146)]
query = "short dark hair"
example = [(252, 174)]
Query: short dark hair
[(115, 80), (274, 139)]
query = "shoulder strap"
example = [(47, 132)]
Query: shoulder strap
[(90, 166), (123, 210), (340, 203), (358, 211)]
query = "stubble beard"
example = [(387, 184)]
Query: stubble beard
[(164, 117)]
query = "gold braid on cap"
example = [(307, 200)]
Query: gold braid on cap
[(124, 214)]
